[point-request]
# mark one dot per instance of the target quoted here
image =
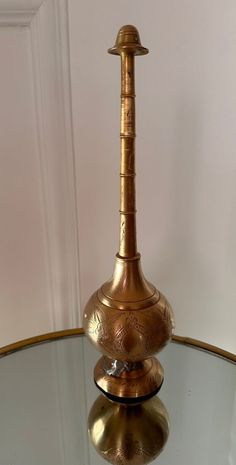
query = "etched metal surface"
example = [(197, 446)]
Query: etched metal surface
[(132, 435), (127, 319), (128, 335), (146, 378)]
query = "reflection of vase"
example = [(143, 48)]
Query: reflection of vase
[(128, 435), (127, 319)]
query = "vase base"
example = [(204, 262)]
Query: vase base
[(128, 400), (128, 383)]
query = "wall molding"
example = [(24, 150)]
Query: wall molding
[(18, 12), (57, 158), (47, 21), (73, 262), (16, 18)]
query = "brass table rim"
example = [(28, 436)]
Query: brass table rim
[(49, 337)]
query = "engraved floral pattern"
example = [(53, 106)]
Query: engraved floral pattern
[(130, 335), (132, 447)]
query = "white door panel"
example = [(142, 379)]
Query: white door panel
[(38, 237)]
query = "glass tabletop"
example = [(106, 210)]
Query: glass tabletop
[(47, 392)]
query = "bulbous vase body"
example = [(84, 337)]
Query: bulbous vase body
[(130, 329)]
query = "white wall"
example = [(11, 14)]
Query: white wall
[(38, 237), (186, 153), (186, 162)]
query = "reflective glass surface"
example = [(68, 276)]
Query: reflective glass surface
[(47, 391)]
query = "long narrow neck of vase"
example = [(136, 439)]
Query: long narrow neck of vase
[(128, 240)]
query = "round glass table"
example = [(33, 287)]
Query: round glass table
[(47, 392)]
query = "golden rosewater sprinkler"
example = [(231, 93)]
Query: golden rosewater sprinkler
[(127, 319)]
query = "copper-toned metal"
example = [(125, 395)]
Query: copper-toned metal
[(133, 382), (128, 435), (128, 319)]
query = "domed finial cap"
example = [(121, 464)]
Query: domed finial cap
[(128, 39)]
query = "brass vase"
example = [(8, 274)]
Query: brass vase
[(128, 435), (128, 319)]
